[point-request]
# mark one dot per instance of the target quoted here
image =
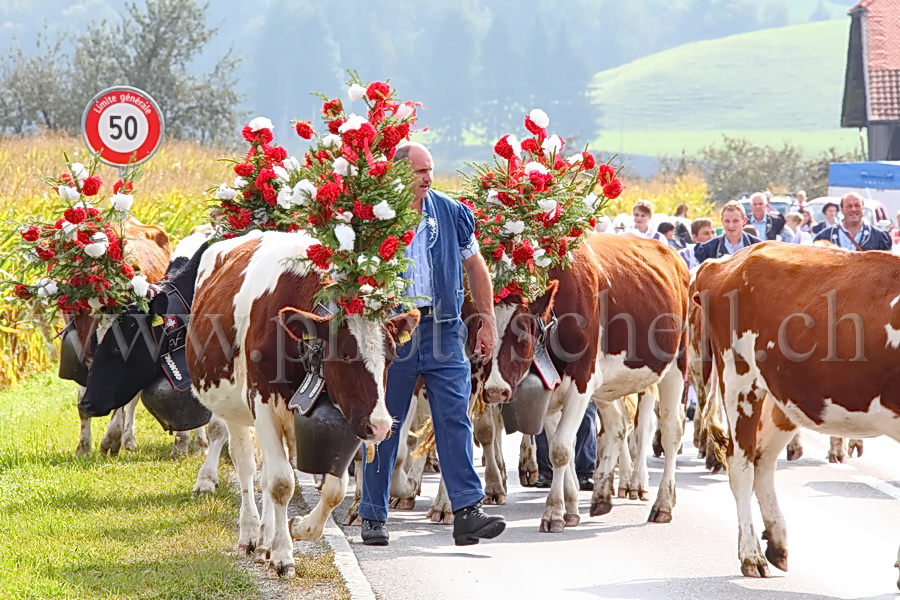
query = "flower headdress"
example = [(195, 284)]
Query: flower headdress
[(355, 199), (532, 211), (81, 256)]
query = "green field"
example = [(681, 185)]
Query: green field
[(771, 85)]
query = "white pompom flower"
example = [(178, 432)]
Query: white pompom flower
[(260, 123), (225, 193), (352, 123), (514, 227), (67, 192), (535, 167), (540, 118), (384, 211), (281, 174), (79, 172), (541, 259), (346, 236), (291, 163), (96, 250), (140, 285), (123, 202), (332, 141), (547, 206), (356, 91), (303, 191), (552, 144)]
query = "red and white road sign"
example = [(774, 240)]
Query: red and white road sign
[(124, 124)]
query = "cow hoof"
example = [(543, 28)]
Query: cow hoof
[(751, 568), (794, 453), (403, 503), (205, 486), (82, 450), (352, 520), (633, 495), (552, 525), (855, 445), (644, 495), (777, 556), (572, 519), (527, 478), (659, 516), (440, 516), (285, 570), (261, 556), (622, 493), (130, 445), (246, 548), (495, 499), (600, 508)]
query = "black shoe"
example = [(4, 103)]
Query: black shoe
[(585, 484), (471, 524), (543, 481), (374, 533)]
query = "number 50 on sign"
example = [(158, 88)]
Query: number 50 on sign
[(124, 124)]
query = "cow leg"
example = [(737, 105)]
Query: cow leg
[(128, 439), (528, 468), (441, 510), (671, 424), (856, 445), (638, 486), (897, 565), (402, 488), (352, 517), (84, 437), (278, 486), (774, 433), (240, 445), (610, 444), (795, 447), (182, 444), (486, 432), (310, 527), (562, 501), (837, 449), (264, 538), (201, 440), (112, 439), (208, 475)]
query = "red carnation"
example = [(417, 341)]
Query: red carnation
[(486, 180), (605, 174), (334, 126), (592, 222), (523, 253), (268, 194), (320, 256), (83, 238), (379, 169), (498, 254), (367, 280), (304, 129), (31, 233), (240, 219), (45, 253), (506, 199), (393, 135), (93, 212), (115, 250), (275, 154), (355, 306), (587, 161), (75, 215), (265, 174), (563, 247), (612, 189), (248, 133), (360, 138), (530, 145), (243, 169), (127, 270), (62, 301), (364, 211), (540, 180), (533, 127), (328, 193), (378, 90), (574, 232), (332, 108), (560, 164), (125, 186), (407, 237), (21, 291), (91, 185), (504, 149), (388, 248), (67, 179)]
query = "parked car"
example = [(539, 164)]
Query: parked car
[(871, 208)]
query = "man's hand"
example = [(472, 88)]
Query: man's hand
[(486, 339), (481, 289)]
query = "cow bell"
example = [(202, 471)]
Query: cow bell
[(526, 411), (175, 411), (325, 441), (70, 364)]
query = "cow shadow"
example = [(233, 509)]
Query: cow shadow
[(848, 489)]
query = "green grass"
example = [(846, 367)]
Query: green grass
[(787, 80), (97, 527)]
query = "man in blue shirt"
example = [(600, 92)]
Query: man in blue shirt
[(769, 224), (732, 240), (854, 233), (444, 243)]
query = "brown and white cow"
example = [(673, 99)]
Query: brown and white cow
[(816, 330), (148, 250), (621, 309), (248, 292)]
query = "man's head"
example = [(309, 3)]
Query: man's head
[(702, 230), (852, 209), (667, 229), (733, 219), (759, 205), (642, 211), (830, 211), (422, 166), (801, 197)]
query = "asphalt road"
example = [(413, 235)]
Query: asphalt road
[(843, 527)]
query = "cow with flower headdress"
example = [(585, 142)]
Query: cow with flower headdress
[(580, 317)]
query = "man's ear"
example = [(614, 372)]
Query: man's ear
[(402, 326), (302, 325)]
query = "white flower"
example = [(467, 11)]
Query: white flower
[(539, 117), (302, 191), (541, 259), (67, 192), (383, 210), (590, 201), (260, 123), (514, 143), (69, 229), (123, 202), (404, 110), (95, 250), (341, 166), (536, 166), (281, 174), (356, 91), (291, 164), (346, 236), (345, 217), (100, 238), (366, 289), (575, 159), (79, 172), (506, 259), (332, 141), (368, 264), (95, 302), (285, 197), (547, 206), (552, 144), (354, 121), (140, 285), (399, 186), (492, 197), (514, 227), (225, 193), (239, 182), (372, 303), (46, 287)]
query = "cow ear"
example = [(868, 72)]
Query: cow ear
[(302, 325), (402, 326), (543, 306)]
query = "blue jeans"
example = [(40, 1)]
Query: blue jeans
[(436, 353), (585, 447)]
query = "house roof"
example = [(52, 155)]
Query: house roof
[(882, 57)]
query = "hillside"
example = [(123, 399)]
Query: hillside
[(794, 83)]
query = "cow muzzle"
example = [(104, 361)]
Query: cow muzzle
[(497, 394)]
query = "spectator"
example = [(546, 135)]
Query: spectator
[(682, 225), (895, 231), (793, 221), (800, 198), (808, 221), (667, 230), (733, 238), (751, 230), (854, 233), (642, 213), (830, 211), (769, 224), (702, 230)]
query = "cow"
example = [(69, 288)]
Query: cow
[(823, 356), (621, 310), (147, 249), (256, 300)]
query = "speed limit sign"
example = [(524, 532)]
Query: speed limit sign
[(123, 124)]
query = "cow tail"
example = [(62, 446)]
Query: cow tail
[(717, 438)]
